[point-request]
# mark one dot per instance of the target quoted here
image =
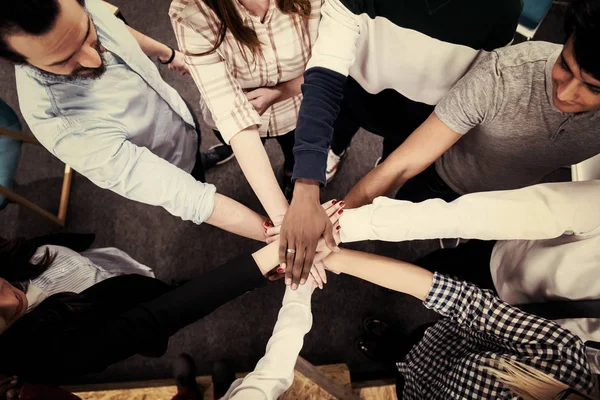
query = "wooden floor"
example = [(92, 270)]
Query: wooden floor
[(302, 389)]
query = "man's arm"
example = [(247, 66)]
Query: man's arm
[(105, 156), (537, 212), (274, 373), (425, 145), (154, 48), (474, 100), (332, 56)]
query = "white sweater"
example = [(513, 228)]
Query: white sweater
[(548, 238), (274, 373)]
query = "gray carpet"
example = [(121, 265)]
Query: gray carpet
[(180, 250)]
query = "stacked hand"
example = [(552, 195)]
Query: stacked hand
[(301, 271)]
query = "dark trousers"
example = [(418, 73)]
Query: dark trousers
[(286, 142), (426, 185), (387, 113), (469, 262)]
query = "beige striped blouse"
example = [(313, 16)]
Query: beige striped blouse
[(223, 75)]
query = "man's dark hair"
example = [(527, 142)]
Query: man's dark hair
[(582, 22), (32, 17)]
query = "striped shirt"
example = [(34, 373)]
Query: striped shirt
[(223, 76), (73, 272), (449, 362)]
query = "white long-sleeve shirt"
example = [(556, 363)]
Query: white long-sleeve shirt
[(548, 238), (274, 373)]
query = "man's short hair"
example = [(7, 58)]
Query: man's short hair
[(32, 17), (582, 22)]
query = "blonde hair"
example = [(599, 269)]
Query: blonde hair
[(526, 381)]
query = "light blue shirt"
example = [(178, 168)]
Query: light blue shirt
[(128, 131)]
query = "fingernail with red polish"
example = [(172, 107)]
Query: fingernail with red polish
[(334, 201), (342, 204), (280, 270), (338, 227), (341, 212), (270, 223)]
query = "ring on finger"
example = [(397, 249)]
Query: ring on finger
[(291, 251)]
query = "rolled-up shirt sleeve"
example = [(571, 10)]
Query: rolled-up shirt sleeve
[(102, 153), (222, 93)]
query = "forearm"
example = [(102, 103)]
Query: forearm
[(234, 217), (151, 47), (255, 164), (425, 145), (274, 373), (392, 274), (290, 88), (537, 212), (381, 181), (267, 257)]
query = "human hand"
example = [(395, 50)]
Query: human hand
[(178, 64), (303, 225), (263, 98), (273, 227), (9, 387)]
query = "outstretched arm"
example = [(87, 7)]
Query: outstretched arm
[(332, 56), (537, 212), (425, 145), (274, 373)]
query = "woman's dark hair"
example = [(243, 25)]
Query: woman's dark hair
[(582, 22), (32, 17), (15, 256), (230, 19)]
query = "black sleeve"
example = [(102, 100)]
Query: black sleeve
[(322, 91), (144, 329), (75, 241)]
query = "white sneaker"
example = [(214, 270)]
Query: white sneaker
[(333, 163)]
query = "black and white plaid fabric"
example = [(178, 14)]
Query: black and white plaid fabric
[(449, 362)]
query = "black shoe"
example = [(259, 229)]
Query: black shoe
[(223, 376), (369, 348), (376, 327), (184, 372), (218, 154)]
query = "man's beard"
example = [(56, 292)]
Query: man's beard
[(83, 73)]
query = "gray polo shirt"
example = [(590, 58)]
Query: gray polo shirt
[(515, 134)]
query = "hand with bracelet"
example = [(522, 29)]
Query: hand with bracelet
[(175, 61)]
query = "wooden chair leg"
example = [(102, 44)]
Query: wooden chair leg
[(9, 194), (18, 136), (64, 195)]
